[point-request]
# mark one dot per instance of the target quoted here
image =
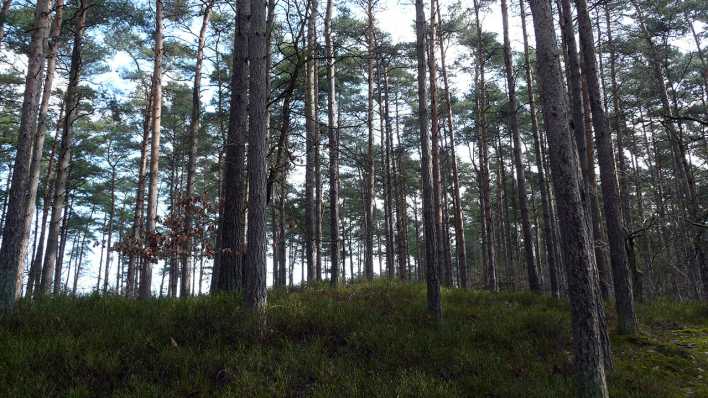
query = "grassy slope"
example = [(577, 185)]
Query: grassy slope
[(356, 341)]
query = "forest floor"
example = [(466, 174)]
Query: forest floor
[(362, 340)]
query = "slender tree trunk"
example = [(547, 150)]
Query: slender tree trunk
[(577, 245), (332, 125), (627, 320), (400, 192), (138, 211), (548, 234), (369, 173), (155, 121), (52, 263), (534, 281), (311, 127), (685, 181), (14, 239), (491, 281), (109, 233), (192, 155), (430, 230), (435, 149), (456, 197)]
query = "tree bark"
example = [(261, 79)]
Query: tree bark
[(52, 263), (255, 267), (552, 255), (624, 296), (332, 125), (14, 239), (491, 277), (576, 244), (369, 173), (192, 155), (155, 121), (429, 227), (534, 281)]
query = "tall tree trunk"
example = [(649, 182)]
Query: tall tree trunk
[(137, 228), (400, 192), (231, 267), (627, 320), (441, 253), (312, 145), (155, 121), (456, 197), (109, 232), (332, 125), (369, 173), (534, 281), (255, 267), (576, 244), (430, 231), (622, 133), (52, 263), (39, 136), (14, 240), (548, 233), (491, 281), (685, 180), (192, 155)]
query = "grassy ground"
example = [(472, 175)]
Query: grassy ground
[(355, 341)]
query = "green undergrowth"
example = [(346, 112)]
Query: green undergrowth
[(362, 340)]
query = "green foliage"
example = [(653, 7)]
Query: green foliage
[(362, 340)]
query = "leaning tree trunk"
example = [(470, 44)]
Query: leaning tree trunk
[(52, 262), (145, 287), (430, 232), (534, 281), (576, 244), (192, 156), (255, 267), (627, 319), (14, 241)]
